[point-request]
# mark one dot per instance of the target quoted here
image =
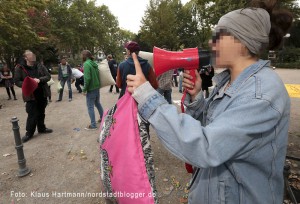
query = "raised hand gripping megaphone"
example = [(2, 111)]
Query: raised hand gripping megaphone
[(189, 59)]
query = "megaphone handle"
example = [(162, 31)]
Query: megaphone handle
[(182, 100), (193, 74)]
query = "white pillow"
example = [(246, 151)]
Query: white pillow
[(105, 76)]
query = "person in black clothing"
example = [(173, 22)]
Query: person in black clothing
[(49, 70), (113, 66), (36, 102), (6, 75), (206, 74), (175, 74)]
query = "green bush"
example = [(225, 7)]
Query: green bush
[(289, 55), (295, 65), (54, 70), (74, 62)]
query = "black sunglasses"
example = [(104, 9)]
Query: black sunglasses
[(217, 35)]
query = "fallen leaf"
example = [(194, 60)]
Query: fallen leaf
[(183, 200), (83, 157), (167, 192), (97, 171)]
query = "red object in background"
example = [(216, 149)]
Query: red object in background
[(29, 85), (41, 34), (189, 168)]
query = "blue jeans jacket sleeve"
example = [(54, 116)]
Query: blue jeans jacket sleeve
[(206, 147)]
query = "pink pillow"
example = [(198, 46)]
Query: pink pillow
[(127, 170)]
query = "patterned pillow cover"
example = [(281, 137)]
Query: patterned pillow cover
[(127, 169)]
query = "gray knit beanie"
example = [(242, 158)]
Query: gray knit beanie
[(251, 26)]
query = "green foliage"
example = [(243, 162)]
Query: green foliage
[(294, 39), (167, 22), (160, 23), (74, 62), (51, 26), (289, 55), (17, 33), (221, 7), (287, 65)]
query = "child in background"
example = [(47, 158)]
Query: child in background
[(6, 75)]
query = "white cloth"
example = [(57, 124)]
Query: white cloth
[(76, 73)]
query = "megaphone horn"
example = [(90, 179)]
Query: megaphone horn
[(191, 58)]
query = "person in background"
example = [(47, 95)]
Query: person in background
[(35, 103), (206, 74), (175, 74), (80, 67), (49, 70), (113, 66), (64, 75), (236, 139), (180, 70), (78, 76), (127, 67), (91, 88), (165, 85), (0, 82), (6, 75)]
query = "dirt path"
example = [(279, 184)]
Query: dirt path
[(56, 161), (58, 166)]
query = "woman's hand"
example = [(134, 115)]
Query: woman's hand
[(134, 81), (193, 87)]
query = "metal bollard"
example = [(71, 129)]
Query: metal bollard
[(23, 170)]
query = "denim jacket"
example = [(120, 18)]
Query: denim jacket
[(237, 144)]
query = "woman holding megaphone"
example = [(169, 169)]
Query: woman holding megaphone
[(236, 139)]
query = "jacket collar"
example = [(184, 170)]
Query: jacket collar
[(224, 76)]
